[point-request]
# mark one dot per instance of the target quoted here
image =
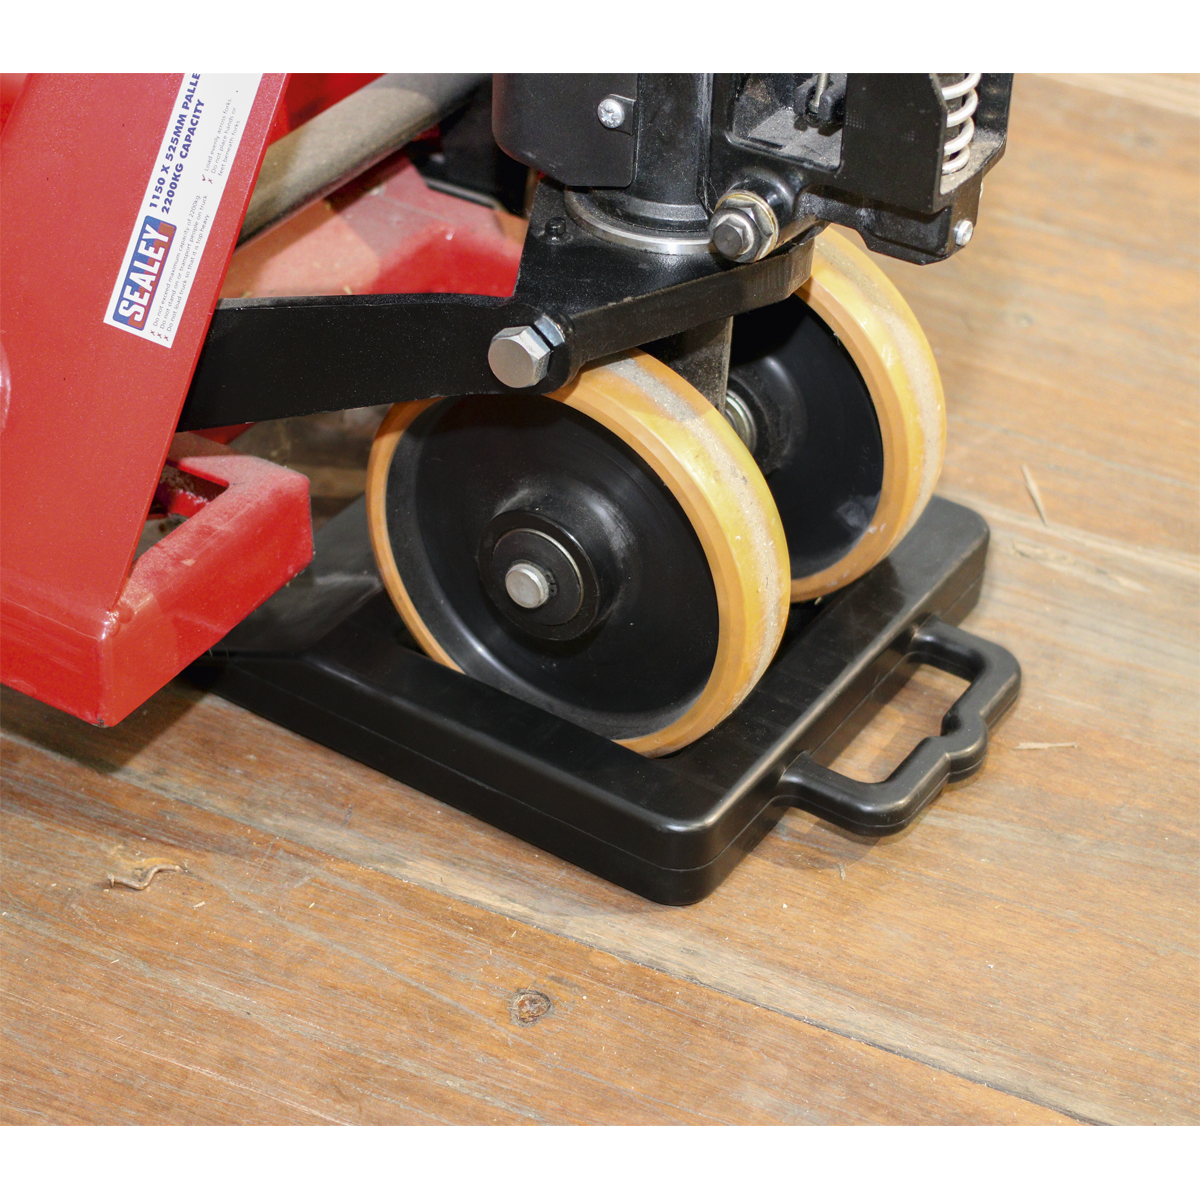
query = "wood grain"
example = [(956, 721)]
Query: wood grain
[(1027, 951), (1066, 334), (272, 983), (1175, 93)]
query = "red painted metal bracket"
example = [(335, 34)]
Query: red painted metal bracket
[(87, 413), (183, 594)]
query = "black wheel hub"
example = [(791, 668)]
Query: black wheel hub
[(547, 559), (575, 599), (817, 432)]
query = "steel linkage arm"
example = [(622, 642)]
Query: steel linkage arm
[(280, 357)]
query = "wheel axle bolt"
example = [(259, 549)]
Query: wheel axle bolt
[(527, 585), (519, 357), (744, 227), (738, 415)]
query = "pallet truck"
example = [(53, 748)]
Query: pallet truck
[(643, 527)]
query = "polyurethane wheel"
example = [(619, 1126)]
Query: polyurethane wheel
[(610, 552), (842, 390)]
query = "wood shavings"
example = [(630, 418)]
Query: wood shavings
[(132, 869), (1034, 494), (1047, 746), (1080, 568), (139, 877)]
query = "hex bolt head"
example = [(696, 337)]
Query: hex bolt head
[(743, 227), (962, 232), (733, 233), (519, 357), (527, 585), (611, 112)]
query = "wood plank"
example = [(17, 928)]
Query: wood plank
[(1175, 93), (1066, 332), (272, 983)]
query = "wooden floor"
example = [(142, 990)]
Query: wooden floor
[(339, 948)]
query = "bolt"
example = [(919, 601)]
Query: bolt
[(962, 232), (743, 227), (519, 357), (821, 101), (733, 233), (556, 229), (527, 585), (611, 112), (814, 101)]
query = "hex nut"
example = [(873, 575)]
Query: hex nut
[(743, 227), (519, 357), (739, 416), (733, 233)]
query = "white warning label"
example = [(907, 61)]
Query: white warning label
[(185, 188)]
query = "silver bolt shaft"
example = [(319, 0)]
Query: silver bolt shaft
[(527, 585)]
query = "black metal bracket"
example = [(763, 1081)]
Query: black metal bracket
[(290, 356), (874, 162)]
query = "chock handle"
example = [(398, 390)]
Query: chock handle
[(959, 751)]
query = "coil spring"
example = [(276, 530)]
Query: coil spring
[(957, 151)]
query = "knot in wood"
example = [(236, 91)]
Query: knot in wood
[(527, 1006)]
